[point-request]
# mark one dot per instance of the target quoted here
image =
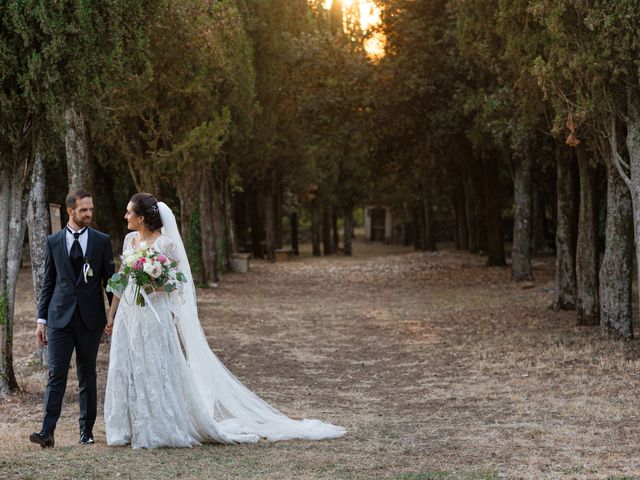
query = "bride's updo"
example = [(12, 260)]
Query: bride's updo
[(145, 205)]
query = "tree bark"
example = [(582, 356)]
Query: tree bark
[(472, 213), (417, 227), (493, 206), (348, 228), (334, 228), (269, 223), (208, 231), (632, 178), (38, 223), (79, 168), (295, 243), (616, 270), (240, 200), (230, 224), (565, 295), (460, 212), (315, 228), (429, 243), (118, 231), (256, 223), (327, 239), (521, 252), (538, 221), (14, 198), (587, 304), (279, 213)]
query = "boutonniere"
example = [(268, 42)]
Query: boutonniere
[(87, 271)]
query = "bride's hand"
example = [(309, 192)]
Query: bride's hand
[(109, 328)]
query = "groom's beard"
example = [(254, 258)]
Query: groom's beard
[(82, 221)]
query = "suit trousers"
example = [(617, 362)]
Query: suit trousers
[(62, 342)]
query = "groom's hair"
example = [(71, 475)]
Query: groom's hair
[(75, 195)]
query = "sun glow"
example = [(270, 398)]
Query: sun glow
[(369, 15)]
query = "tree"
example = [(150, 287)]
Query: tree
[(591, 75)]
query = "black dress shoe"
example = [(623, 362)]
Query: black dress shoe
[(86, 438), (44, 439)]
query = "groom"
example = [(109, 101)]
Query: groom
[(71, 313)]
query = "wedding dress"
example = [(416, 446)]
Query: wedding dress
[(166, 388)]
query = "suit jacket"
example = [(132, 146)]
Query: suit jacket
[(62, 291)]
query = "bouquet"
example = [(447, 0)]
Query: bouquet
[(147, 269)]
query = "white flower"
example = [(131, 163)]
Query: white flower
[(156, 270), (147, 267)]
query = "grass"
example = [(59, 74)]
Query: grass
[(439, 367)]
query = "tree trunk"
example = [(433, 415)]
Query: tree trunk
[(256, 223), (230, 224), (327, 239), (565, 239), (38, 223), (538, 225), (616, 270), (348, 228), (521, 252), (493, 206), (334, 226), (118, 231), (208, 231), (279, 214), (295, 243), (418, 219), (240, 200), (269, 223), (460, 211), (315, 228), (429, 226), (633, 177), (472, 212), (79, 169), (587, 304), (14, 198)]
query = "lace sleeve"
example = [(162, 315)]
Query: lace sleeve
[(166, 246), (113, 286)]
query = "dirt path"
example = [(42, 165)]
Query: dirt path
[(438, 366)]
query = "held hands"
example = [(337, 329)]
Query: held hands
[(109, 328), (41, 334)]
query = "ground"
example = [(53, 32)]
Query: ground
[(439, 367)]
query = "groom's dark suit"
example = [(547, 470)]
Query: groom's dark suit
[(75, 314)]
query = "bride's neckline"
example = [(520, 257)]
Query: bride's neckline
[(137, 236)]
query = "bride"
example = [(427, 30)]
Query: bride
[(165, 387)]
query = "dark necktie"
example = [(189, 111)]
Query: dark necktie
[(75, 254)]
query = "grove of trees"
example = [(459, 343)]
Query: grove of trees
[(489, 123)]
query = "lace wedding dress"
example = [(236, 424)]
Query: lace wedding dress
[(166, 388)]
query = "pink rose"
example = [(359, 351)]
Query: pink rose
[(162, 259), (139, 264)]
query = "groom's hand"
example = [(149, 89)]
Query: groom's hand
[(109, 328), (41, 334)]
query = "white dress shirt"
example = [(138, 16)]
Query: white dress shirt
[(83, 239)]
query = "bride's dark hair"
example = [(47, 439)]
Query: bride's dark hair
[(146, 205)]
